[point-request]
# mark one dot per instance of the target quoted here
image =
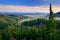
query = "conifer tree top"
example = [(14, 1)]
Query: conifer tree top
[(50, 8), (51, 12)]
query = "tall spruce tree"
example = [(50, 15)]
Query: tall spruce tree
[(51, 25)]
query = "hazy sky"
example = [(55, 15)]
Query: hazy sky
[(29, 5)]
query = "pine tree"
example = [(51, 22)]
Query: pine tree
[(51, 25)]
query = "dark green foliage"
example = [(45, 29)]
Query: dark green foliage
[(5, 35), (31, 32), (3, 25), (33, 22)]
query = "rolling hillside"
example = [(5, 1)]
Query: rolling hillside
[(10, 19)]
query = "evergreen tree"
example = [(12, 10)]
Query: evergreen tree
[(51, 28)]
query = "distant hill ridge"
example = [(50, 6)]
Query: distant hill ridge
[(22, 13), (57, 14)]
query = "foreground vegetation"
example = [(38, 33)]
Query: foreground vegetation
[(29, 30), (29, 33)]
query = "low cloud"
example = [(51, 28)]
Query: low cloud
[(10, 8)]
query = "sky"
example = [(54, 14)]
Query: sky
[(29, 5)]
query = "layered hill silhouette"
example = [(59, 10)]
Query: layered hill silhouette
[(57, 14)]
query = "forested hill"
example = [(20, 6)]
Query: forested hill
[(57, 14), (10, 19)]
